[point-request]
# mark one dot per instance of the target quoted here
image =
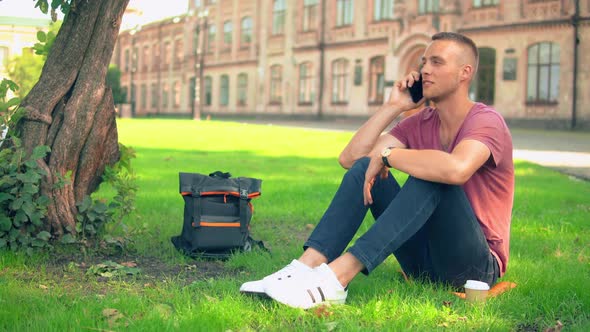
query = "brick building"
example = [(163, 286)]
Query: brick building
[(334, 57)]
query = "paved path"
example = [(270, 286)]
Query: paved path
[(568, 152)]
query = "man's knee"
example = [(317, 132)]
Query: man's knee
[(361, 164)]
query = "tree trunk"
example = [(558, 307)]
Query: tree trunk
[(71, 109)]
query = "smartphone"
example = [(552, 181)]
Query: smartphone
[(416, 90)]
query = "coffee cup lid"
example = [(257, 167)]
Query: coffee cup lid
[(477, 285)]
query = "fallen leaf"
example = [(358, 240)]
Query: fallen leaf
[(309, 227), (447, 303), (43, 287), (323, 311), (558, 326), (129, 264)]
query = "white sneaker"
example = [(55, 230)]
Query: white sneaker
[(286, 273), (308, 290)]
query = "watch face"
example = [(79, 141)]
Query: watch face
[(386, 152)]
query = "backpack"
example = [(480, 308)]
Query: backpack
[(217, 214)]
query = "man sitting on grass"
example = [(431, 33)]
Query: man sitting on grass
[(450, 222)]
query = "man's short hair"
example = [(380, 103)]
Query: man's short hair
[(461, 39)]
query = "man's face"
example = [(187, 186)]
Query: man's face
[(442, 63)]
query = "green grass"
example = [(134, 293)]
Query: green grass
[(550, 248)]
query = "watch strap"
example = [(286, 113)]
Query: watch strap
[(385, 161)]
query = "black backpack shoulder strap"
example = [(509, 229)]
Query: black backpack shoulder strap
[(243, 205)]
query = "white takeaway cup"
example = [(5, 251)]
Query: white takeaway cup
[(476, 291)]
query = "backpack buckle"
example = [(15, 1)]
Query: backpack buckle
[(244, 193)]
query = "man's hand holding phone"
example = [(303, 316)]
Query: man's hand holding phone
[(397, 98)]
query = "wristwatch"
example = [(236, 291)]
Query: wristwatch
[(385, 153)]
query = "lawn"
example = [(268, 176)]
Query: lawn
[(550, 249)]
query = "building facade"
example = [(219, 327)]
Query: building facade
[(330, 58), (18, 35)]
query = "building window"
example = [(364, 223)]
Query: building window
[(278, 17), (482, 88), (427, 6), (155, 57), (543, 73), (196, 46), (376, 80), (3, 55), (197, 3), (227, 33), (211, 38), (344, 12), (176, 94), (224, 90), (383, 10), (167, 53), (340, 81), (178, 52), (310, 14), (145, 62), (208, 89), (126, 60), (242, 89), (484, 3), (143, 96), (133, 96), (134, 59), (306, 83), (191, 91), (165, 91), (246, 33), (154, 95), (276, 82), (125, 91)]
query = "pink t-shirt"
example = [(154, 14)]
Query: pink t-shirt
[(490, 190)]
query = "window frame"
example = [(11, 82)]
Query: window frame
[(306, 84), (208, 91), (344, 13), (553, 67), (242, 90), (381, 12), (246, 31), (224, 90), (227, 35), (426, 7), (310, 15), (211, 35), (276, 82), (376, 78), (340, 85), (484, 3), (279, 9)]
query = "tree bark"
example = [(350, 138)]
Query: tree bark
[(71, 109)]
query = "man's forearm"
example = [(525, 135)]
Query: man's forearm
[(365, 138), (430, 165)]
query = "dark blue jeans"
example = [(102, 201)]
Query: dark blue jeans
[(429, 227)]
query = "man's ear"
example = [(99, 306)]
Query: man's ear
[(466, 72)]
